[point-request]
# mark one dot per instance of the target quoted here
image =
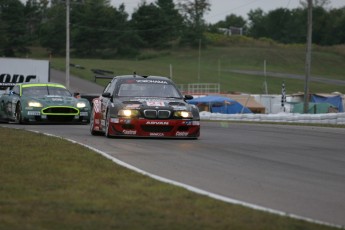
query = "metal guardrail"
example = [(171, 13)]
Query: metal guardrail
[(102, 77), (200, 88)]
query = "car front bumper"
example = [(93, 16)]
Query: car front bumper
[(154, 128), (38, 116)]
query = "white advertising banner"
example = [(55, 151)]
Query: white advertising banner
[(18, 70)]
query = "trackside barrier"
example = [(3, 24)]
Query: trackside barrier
[(327, 118)]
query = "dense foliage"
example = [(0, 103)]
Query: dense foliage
[(98, 29)]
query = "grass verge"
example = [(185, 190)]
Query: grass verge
[(50, 183), (213, 65)]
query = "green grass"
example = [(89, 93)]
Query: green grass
[(49, 183), (216, 61)]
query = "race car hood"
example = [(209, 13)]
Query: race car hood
[(175, 103), (55, 100)]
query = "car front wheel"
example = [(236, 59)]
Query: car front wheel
[(107, 125), (92, 123), (18, 114)]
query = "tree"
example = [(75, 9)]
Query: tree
[(97, 29), (12, 22), (146, 21), (195, 26), (277, 25), (52, 35), (171, 19), (3, 37), (231, 20), (157, 24), (328, 26), (124, 40), (336, 35), (105, 27), (320, 17), (35, 11), (257, 23), (91, 20), (320, 3)]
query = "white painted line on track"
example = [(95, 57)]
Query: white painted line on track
[(194, 189)]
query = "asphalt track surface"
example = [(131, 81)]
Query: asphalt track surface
[(293, 169)]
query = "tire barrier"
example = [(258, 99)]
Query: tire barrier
[(326, 118)]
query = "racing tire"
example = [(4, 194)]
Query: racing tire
[(92, 124), (107, 127), (18, 114)]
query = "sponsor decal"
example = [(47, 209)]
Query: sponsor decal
[(188, 122), (97, 106), (157, 123), (192, 123), (196, 123), (127, 121), (129, 132), (34, 113), (57, 99), (157, 134), (124, 121), (133, 106), (181, 134), (155, 103), (152, 81), (114, 120), (179, 107), (130, 81)]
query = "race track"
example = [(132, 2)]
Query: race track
[(294, 169)]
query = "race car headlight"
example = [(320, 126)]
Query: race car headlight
[(128, 113), (183, 114), (81, 105), (34, 104)]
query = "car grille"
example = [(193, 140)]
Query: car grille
[(176, 103), (157, 128), (64, 118), (60, 110), (154, 114)]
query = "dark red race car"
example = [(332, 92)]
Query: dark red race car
[(144, 106)]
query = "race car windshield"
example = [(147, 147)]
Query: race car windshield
[(44, 90), (147, 90)]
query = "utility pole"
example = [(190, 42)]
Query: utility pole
[(67, 43), (199, 60), (308, 56), (265, 82)]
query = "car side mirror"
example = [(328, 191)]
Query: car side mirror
[(107, 94), (188, 97)]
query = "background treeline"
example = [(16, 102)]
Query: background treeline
[(98, 29)]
